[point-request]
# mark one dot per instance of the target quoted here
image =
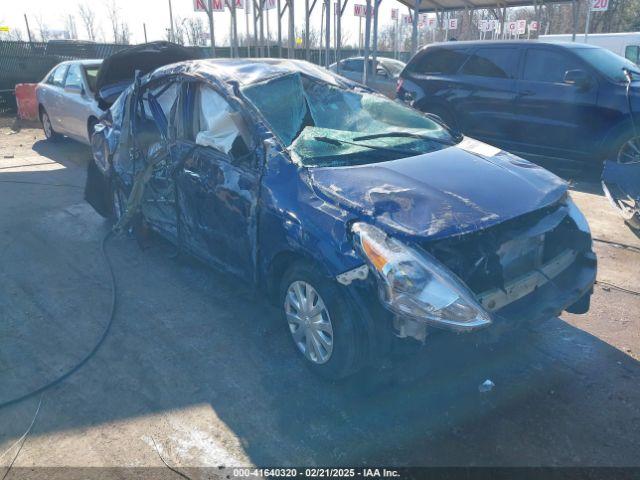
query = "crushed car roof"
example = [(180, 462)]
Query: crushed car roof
[(247, 71)]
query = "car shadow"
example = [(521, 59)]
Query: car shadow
[(62, 150), (185, 335)]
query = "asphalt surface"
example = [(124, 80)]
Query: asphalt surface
[(196, 364)]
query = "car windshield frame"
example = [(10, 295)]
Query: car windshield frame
[(300, 135), (594, 58)]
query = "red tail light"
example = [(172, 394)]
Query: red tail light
[(399, 84)]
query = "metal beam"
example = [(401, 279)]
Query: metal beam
[(339, 32), (292, 29), (374, 47), (414, 30), (327, 32), (367, 42)]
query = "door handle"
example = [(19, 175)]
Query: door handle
[(527, 93)]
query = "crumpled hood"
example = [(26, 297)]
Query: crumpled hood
[(453, 191)]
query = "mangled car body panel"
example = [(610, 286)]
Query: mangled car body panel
[(621, 185), (255, 165)]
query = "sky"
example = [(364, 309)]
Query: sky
[(155, 13)]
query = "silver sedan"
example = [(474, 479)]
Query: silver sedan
[(383, 78), (66, 100)]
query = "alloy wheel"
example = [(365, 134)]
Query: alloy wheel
[(309, 322), (630, 151), (46, 125)]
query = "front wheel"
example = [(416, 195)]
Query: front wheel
[(324, 329), (47, 126)]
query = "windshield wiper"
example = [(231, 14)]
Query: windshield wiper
[(335, 141), (404, 135)]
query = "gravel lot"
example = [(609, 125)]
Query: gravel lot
[(198, 365)]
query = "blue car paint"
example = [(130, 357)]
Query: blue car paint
[(440, 194), (307, 212)]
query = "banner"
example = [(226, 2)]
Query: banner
[(599, 5), (269, 4), (359, 10), (521, 27), (452, 24), (533, 26), (394, 14), (199, 6)]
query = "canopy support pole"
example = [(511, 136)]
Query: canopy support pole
[(327, 32), (414, 29), (367, 43), (374, 47), (292, 30), (339, 32)]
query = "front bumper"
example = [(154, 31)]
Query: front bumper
[(546, 301)]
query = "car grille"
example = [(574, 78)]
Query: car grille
[(496, 256)]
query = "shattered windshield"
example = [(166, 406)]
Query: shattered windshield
[(325, 125)]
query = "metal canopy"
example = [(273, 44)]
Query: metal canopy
[(426, 6)]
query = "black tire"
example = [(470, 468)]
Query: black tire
[(91, 124), (97, 190), (47, 126), (349, 334)]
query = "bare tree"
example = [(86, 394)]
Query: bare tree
[(43, 29), (119, 28), (88, 18), (15, 34), (70, 26), (195, 32), (179, 32)]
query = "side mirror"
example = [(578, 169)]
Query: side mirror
[(78, 90), (578, 78)]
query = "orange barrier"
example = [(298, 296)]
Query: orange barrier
[(27, 101)]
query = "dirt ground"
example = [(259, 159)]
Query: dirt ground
[(197, 365)]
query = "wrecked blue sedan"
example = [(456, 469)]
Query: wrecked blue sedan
[(360, 218)]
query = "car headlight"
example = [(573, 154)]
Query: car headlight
[(415, 284)]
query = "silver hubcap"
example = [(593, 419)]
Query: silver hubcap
[(309, 322), (630, 151), (46, 124)]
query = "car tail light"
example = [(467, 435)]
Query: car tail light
[(399, 84)]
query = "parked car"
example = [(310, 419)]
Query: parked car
[(565, 102), (360, 218), (383, 77), (625, 44), (66, 103), (74, 94)]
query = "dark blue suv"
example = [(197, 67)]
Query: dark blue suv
[(560, 101)]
